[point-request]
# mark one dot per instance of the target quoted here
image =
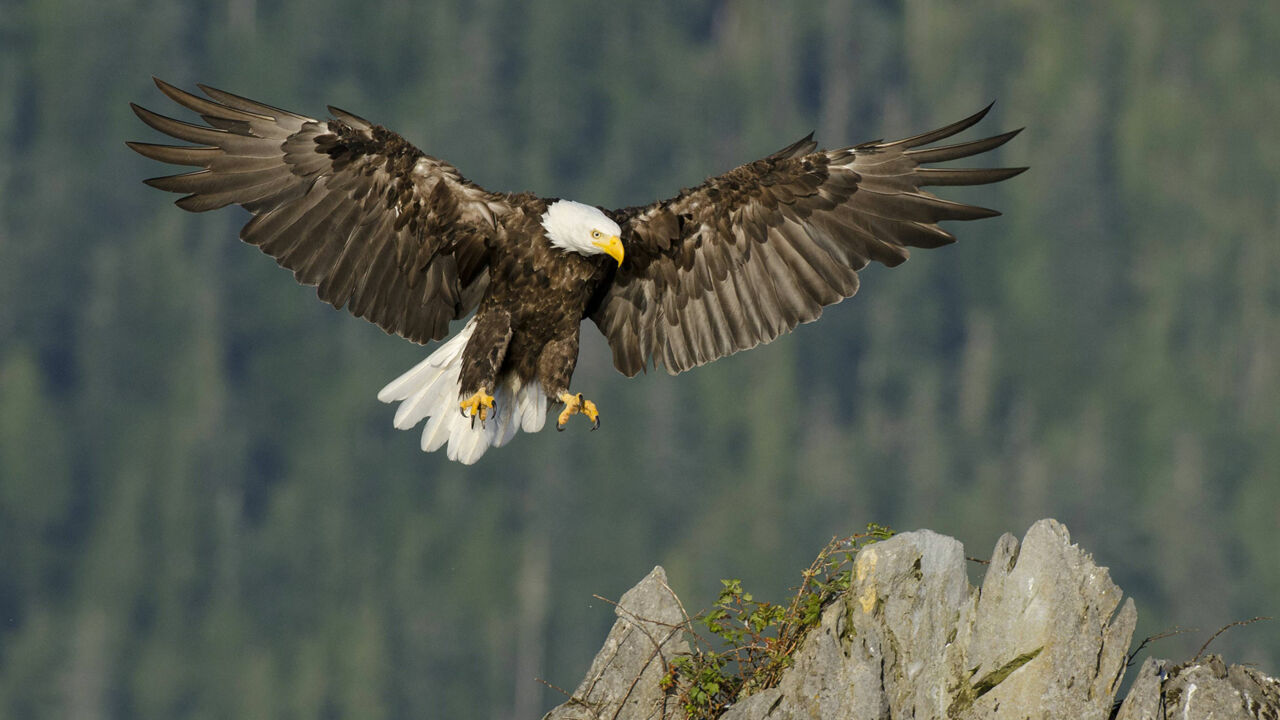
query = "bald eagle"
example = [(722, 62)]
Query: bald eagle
[(402, 239)]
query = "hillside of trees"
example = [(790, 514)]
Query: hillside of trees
[(205, 512)]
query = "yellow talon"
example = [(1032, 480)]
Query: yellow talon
[(574, 404), (478, 405)]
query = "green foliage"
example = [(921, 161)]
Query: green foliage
[(755, 641)]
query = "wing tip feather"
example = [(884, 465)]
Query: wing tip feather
[(930, 176), (943, 132), (150, 117), (960, 150), (253, 107)]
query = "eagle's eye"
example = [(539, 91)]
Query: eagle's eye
[(595, 234)]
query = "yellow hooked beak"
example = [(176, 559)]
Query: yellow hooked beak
[(612, 246)]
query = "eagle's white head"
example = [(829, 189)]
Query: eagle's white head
[(582, 229)]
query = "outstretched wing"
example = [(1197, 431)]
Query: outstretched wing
[(397, 236), (752, 253)]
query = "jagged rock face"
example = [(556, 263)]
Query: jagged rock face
[(623, 680), (1046, 636), (912, 638), (1201, 689)]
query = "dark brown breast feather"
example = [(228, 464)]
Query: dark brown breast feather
[(397, 236), (750, 254)]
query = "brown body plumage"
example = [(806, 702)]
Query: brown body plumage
[(529, 321), (402, 239)]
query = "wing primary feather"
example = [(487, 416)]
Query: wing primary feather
[(176, 183), (941, 133), (247, 195), (179, 129), (206, 107), (854, 236), (901, 206), (247, 105), (939, 237), (960, 150), (966, 176), (195, 156), (229, 142), (210, 181)]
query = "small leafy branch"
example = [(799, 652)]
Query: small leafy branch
[(758, 639)]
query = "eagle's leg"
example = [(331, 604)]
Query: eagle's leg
[(555, 370), (574, 404), (481, 360), (478, 405)]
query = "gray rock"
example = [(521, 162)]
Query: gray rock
[(622, 683), (912, 638), (1204, 688), (1048, 600), (1046, 636)]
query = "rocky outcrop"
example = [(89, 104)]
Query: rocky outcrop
[(1045, 636), (1203, 688), (623, 681)]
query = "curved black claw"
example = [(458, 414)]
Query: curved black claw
[(575, 404)]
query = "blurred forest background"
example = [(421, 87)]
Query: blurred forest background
[(205, 512)]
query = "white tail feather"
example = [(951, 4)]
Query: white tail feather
[(431, 390)]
